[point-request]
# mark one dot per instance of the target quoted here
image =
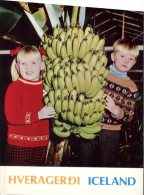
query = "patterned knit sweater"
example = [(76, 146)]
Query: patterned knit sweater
[(23, 100), (124, 92)]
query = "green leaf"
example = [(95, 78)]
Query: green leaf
[(40, 17), (9, 17)]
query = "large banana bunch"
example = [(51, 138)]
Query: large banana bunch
[(75, 74)]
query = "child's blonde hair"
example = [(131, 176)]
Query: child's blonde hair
[(126, 46), (23, 52)]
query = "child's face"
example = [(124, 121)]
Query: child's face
[(30, 67), (122, 61)]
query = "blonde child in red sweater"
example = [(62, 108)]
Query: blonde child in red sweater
[(28, 127)]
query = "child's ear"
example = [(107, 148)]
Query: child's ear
[(112, 56), (42, 66)]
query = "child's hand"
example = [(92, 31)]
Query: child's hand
[(111, 106), (46, 112)]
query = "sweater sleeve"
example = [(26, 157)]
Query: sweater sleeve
[(15, 112), (128, 110)]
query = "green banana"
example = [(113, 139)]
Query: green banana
[(61, 132), (54, 82), (57, 93), (75, 82), (77, 119), (86, 119), (87, 135), (70, 116), (51, 96), (57, 105), (64, 104), (91, 129), (46, 99), (73, 67)]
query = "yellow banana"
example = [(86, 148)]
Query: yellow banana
[(81, 80), (68, 83), (50, 53), (56, 69), (89, 41), (98, 66), (87, 56), (93, 61), (54, 43), (73, 67), (69, 46), (55, 31), (64, 93), (100, 45), (93, 88), (57, 94), (75, 82), (63, 51), (103, 59), (75, 47), (80, 35), (87, 77), (62, 35), (58, 47), (82, 48), (61, 82), (68, 33), (88, 30), (85, 109), (95, 42), (74, 32), (61, 73), (73, 95)]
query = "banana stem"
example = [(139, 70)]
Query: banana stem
[(74, 15)]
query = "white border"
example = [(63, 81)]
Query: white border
[(133, 5)]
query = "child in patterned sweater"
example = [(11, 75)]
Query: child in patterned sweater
[(121, 93)]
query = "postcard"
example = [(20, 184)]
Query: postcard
[(71, 80)]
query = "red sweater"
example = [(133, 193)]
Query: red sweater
[(23, 100)]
